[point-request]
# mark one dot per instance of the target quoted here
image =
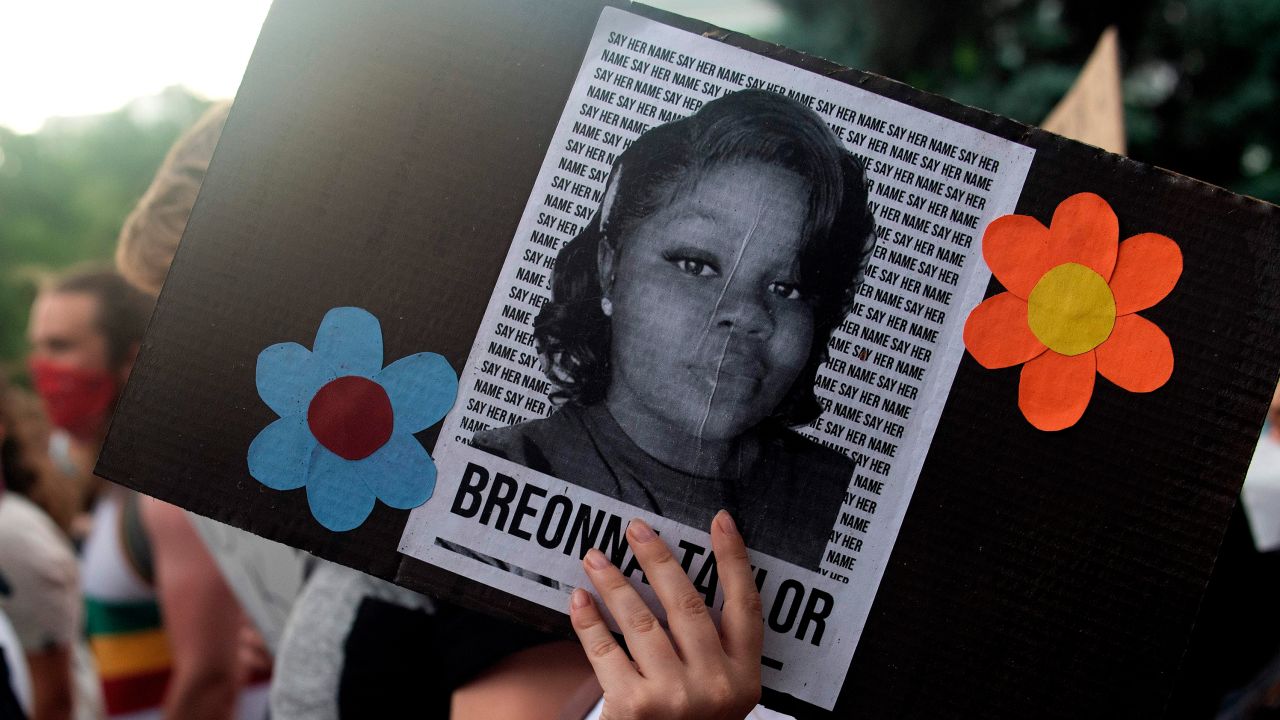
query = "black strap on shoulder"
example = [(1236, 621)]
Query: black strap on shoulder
[(9, 707), (134, 540)]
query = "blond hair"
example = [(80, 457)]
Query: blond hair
[(151, 233)]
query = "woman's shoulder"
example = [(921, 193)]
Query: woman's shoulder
[(812, 474), (810, 454), (529, 442), (28, 534), (38, 564)]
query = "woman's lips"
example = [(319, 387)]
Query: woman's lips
[(740, 366)]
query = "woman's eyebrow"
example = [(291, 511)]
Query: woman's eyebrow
[(694, 249), (698, 224), (698, 212)]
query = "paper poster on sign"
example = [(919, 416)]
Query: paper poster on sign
[(969, 388), (635, 362)]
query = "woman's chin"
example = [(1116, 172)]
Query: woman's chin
[(720, 421), (704, 408)]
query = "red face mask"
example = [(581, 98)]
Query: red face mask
[(78, 400)]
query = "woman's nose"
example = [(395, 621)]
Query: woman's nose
[(743, 309)]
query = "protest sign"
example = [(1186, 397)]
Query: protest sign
[(425, 323), (1092, 111)]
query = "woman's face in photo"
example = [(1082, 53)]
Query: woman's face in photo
[(710, 326)]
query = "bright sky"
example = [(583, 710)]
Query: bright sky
[(80, 57), (64, 58)]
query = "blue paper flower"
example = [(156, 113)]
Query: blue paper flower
[(346, 423)]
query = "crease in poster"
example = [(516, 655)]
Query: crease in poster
[(743, 318)]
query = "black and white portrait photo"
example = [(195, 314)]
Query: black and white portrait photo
[(688, 320)]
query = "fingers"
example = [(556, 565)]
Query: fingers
[(742, 621), (607, 658), (691, 626), (711, 679), (646, 638)]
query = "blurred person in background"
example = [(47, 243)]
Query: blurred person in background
[(153, 228), (15, 683), (41, 575), (1231, 669), (64, 496), (1260, 495), (164, 628), (1238, 631)]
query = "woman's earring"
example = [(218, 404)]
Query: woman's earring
[(606, 307)]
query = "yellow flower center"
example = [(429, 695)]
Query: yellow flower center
[(1071, 310)]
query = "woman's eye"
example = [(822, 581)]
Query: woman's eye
[(692, 266), (785, 290)]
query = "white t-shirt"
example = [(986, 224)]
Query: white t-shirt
[(760, 713), (38, 561), (1261, 492), (309, 662), (45, 604), (19, 679)]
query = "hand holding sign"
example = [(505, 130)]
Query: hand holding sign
[(694, 671)]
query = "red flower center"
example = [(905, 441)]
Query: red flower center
[(351, 416)]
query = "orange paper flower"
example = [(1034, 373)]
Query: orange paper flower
[(1073, 291)]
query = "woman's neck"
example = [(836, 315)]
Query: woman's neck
[(691, 454)]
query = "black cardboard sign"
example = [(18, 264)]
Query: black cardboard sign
[(381, 156)]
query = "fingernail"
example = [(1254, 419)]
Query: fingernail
[(596, 559), (725, 521), (641, 532), (579, 599)]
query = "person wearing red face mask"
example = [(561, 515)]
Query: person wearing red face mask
[(84, 332), (163, 626)]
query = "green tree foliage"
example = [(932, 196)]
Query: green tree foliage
[(1201, 76), (65, 191)]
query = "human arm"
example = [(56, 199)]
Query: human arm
[(692, 672), (201, 618), (51, 686), (534, 684)]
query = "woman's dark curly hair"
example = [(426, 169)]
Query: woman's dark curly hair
[(573, 334)]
